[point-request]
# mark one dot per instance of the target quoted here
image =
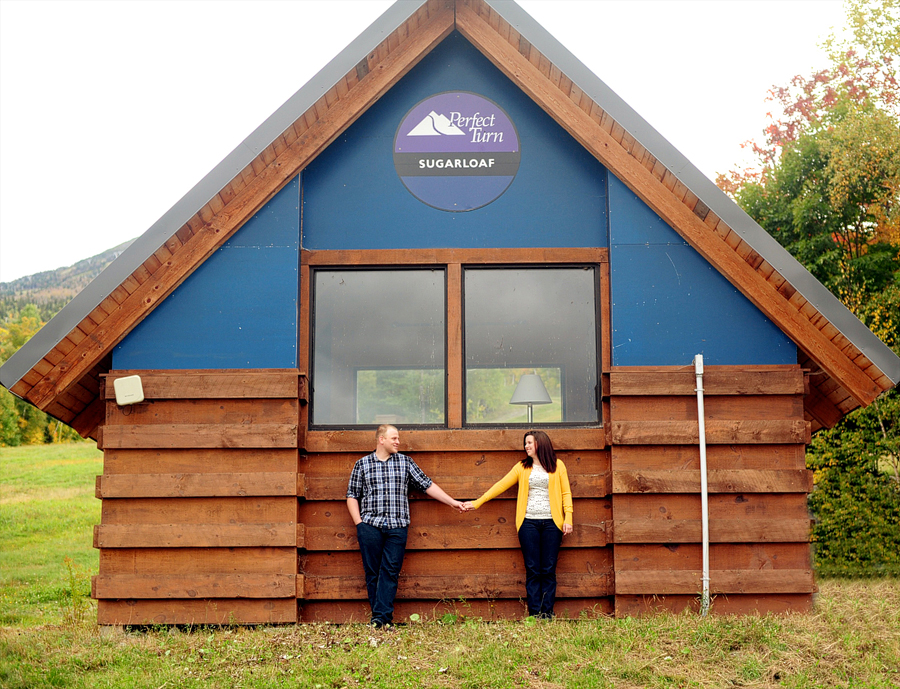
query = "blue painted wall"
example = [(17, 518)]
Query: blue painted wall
[(669, 304), (353, 198), (238, 309)]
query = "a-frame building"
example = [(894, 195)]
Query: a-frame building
[(452, 201)]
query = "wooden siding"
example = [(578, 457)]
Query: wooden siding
[(759, 526), (199, 490), (251, 532), (207, 519), (473, 559)]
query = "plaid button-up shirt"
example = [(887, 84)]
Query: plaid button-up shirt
[(382, 488)]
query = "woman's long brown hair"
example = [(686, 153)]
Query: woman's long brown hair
[(545, 453)]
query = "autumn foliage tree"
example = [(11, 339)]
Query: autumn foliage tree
[(826, 185), (827, 179), (21, 423)]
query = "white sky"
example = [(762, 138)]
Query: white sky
[(111, 111)]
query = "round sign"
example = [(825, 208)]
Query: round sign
[(456, 151)]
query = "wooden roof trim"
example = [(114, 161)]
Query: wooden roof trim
[(604, 146), (178, 260), (89, 419), (65, 346), (822, 409)]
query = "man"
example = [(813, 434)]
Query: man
[(377, 498)]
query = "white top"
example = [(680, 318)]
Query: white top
[(538, 506)]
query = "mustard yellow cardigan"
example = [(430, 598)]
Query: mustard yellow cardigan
[(560, 493)]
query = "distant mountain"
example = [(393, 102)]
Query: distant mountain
[(53, 289)]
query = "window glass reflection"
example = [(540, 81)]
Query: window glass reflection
[(378, 347), (531, 320)]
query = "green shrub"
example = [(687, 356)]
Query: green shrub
[(856, 499)]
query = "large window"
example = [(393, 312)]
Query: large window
[(378, 347), (531, 321), (443, 338)]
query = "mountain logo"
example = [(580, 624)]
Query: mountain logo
[(436, 125), (456, 151)]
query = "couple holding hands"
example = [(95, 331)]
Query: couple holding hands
[(377, 499)]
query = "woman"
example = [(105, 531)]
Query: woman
[(543, 517)]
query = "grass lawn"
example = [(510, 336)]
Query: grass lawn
[(47, 516), (48, 637)]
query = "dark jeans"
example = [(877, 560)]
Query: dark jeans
[(540, 540), (382, 553)]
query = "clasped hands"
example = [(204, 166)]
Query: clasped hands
[(463, 507)]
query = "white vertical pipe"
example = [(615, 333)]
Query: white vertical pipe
[(704, 488)]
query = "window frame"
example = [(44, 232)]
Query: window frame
[(598, 296), (312, 316), (452, 262)]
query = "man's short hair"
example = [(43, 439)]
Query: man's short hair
[(382, 429)]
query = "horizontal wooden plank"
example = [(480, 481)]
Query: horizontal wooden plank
[(199, 460), (749, 506), (720, 581), (194, 535), (720, 530), (456, 585), (196, 611), (722, 556), (343, 537), (211, 384), (772, 431), (717, 380), (498, 514), (196, 485), (200, 435), (240, 412), (282, 560), (501, 561), (627, 605), (224, 510), (452, 440), (718, 481), (672, 408), (460, 487), (156, 586), (490, 464), (687, 457), (454, 255), (488, 609)]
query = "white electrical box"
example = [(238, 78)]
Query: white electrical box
[(128, 390)]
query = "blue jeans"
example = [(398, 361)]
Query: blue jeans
[(540, 540), (382, 553)]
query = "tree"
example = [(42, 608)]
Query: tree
[(827, 180), (16, 330), (857, 502), (21, 423), (826, 185)]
